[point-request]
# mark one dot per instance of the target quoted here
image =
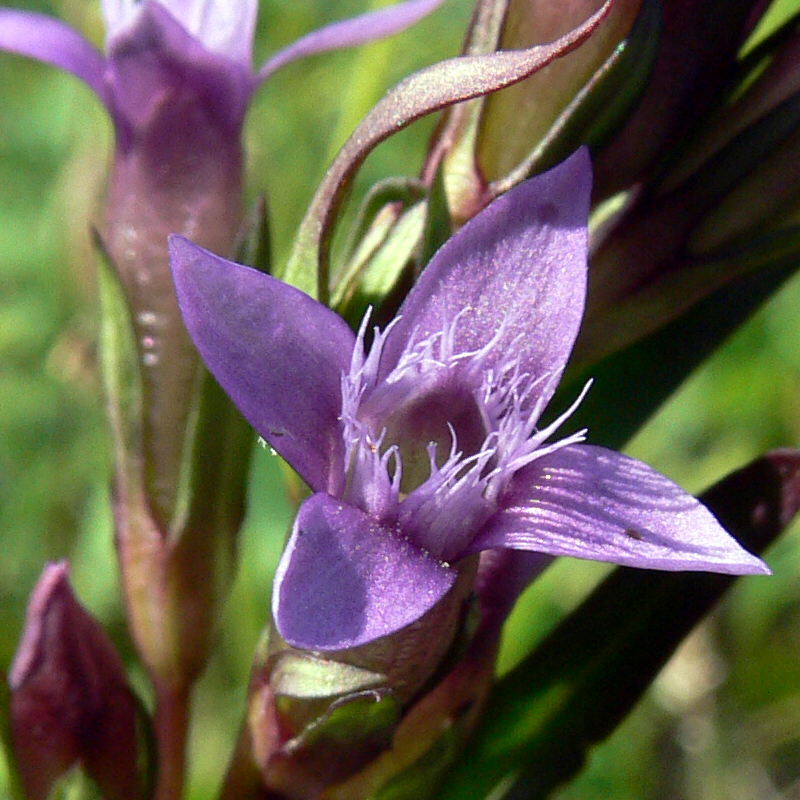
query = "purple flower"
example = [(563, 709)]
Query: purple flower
[(205, 43), (425, 450)]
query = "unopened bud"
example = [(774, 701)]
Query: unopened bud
[(71, 705)]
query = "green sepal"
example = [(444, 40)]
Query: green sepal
[(344, 737), (572, 691), (402, 239), (389, 263), (438, 222), (371, 226), (389, 231), (121, 369), (301, 675), (357, 717)]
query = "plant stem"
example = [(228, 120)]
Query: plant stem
[(171, 730)]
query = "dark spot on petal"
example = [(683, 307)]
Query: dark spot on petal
[(634, 534), (548, 213)]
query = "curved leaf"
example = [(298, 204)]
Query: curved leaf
[(422, 93)]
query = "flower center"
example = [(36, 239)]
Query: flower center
[(433, 418)]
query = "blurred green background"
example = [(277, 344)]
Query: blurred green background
[(722, 722)]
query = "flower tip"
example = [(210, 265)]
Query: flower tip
[(754, 566), (53, 588), (181, 249), (574, 177), (196, 273)]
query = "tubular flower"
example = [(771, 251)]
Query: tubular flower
[(177, 80), (425, 448), (206, 42)]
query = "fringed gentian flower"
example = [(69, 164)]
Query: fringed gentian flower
[(424, 449), (176, 80)]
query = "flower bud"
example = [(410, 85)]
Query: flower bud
[(724, 205), (70, 700)]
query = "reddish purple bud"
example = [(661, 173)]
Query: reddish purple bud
[(697, 54), (70, 700)]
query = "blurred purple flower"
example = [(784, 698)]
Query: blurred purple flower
[(425, 450), (205, 43)]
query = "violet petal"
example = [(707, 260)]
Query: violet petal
[(350, 32), (279, 355), (520, 267), (345, 579), (590, 502), (52, 41)]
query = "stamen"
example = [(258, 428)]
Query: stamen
[(463, 490)]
